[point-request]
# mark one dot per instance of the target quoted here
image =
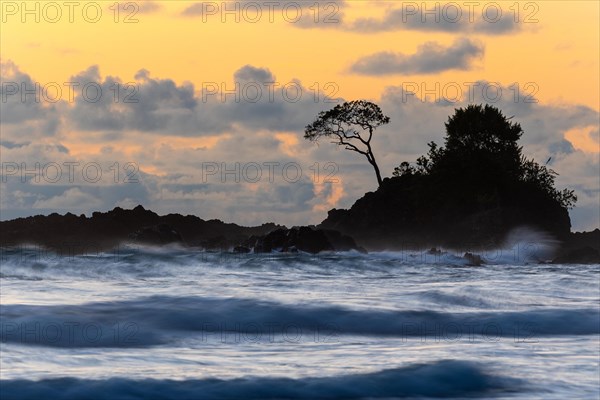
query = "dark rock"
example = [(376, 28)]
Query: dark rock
[(250, 242), (276, 240), (312, 241), (241, 249), (341, 242), (105, 230), (158, 234), (580, 248), (582, 255), (411, 212), (473, 260), (303, 239), (215, 243)]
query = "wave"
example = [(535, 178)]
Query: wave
[(156, 320), (522, 246), (470, 300), (447, 378)]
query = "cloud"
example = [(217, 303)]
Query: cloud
[(430, 58), (71, 199), (489, 19), (25, 113), (248, 73), (148, 6), (131, 10), (146, 105), (454, 18), (448, 18), (585, 138), (173, 132), (163, 107), (193, 10), (397, 19), (300, 14), (12, 145)]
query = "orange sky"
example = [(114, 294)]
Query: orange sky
[(559, 53), (554, 56)]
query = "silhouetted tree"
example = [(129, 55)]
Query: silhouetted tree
[(543, 178), (481, 156), (350, 125)]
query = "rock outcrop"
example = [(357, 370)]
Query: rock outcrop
[(157, 234), (304, 239), (404, 214), (73, 234), (580, 248)]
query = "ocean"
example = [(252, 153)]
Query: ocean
[(141, 322)]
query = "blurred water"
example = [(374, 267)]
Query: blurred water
[(340, 325)]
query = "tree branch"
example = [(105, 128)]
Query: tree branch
[(350, 146)]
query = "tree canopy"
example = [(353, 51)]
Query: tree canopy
[(351, 125), (481, 151)]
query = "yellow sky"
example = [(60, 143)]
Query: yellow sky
[(559, 53)]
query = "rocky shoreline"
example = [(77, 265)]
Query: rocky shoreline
[(71, 234)]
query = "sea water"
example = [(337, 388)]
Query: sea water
[(141, 322)]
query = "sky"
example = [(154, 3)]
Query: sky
[(200, 107)]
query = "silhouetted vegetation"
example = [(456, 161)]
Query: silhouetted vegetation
[(342, 123), (481, 155), (475, 188)]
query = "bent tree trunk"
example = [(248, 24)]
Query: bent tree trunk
[(379, 180), (372, 161)]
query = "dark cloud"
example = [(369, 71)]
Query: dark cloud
[(21, 96), (395, 19), (151, 105), (148, 6), (300, 14), (449, 18), (563, 146), (503, 26), (12, 145), (24, 110), (430, 58), (193, 10), (132, 10), (160, 106), (248, 73)]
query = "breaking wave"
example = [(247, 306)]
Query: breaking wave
[(448, 378), (156, 320)]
